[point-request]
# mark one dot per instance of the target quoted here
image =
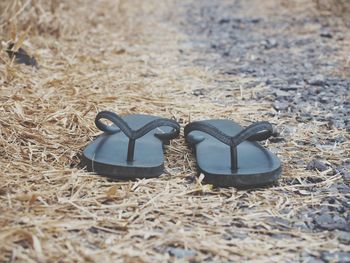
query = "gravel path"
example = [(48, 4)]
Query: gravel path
[(302, 60)]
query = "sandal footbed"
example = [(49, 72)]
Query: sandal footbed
[(107, 154), (257, 166)]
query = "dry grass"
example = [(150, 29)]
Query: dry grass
[(334, 7), (123, 56)]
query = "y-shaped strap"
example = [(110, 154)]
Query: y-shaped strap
[(135, 134), (255, 132)]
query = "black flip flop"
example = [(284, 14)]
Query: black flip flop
[(132, 147), (228, 155)]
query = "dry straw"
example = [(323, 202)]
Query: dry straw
[(124, 56)]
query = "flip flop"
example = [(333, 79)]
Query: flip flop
[(132, 147), (229, 155)]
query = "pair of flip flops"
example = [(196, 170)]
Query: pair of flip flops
[(227, 154)]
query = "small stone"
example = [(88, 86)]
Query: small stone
[(21, 56), (190, 179), (224, 21), (255, 20), (270, 43), (326, 221), (268, 82), (278, 105), (315, 260), (301, 225), (340, 37), (323, 99), (282, 93), (93, 230), (276, 139), (343, 237), (277, 83), (336, 256), (346, 176), (347, 128), (326, 34), (343, 188), (291, 87), (316, 165), (304, 117), (198, 92), (180, 252), (344, 168), (309, 258), (317, 80), (339, 138)]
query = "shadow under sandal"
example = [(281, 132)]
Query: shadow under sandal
[(229, 155), (132, 147)]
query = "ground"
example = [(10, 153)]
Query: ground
[(286, 62)]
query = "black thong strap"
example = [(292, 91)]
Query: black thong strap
[(133, 135), (257, 131)]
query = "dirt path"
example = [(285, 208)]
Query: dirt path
[(189, 60)]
